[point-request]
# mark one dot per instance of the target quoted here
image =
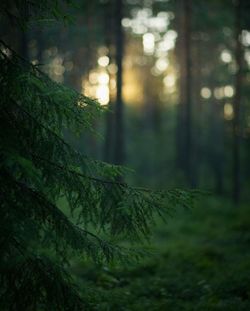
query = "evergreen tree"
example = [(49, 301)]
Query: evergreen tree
[(38, 168)]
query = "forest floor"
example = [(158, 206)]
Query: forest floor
[(201, 262)]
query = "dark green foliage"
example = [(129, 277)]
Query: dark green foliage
[(24, 12), (37, 169)]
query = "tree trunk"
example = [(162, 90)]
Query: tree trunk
[(237, 100), (197, 116), (188, 77), (217, 144), (119, 108), (109, 117), (181, 82), (184, 118)]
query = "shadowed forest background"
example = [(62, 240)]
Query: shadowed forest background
[(173, 78), (179, 112)]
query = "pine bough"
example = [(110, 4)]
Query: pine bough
[(37, 169)]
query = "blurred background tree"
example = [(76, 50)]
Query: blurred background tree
[(178, 90)]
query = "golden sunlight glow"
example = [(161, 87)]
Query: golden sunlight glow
[(148, 43), (155, 72), (161, 64), (228, 111), (103, 50), (206, 92), (219, 92), (143, 20), (165, 46), (126, 22), (112, 69), (133, 88), (229, 91), (169, 80), (103, 61), (97, 86), (103, 78), (93, 77), (226, 56), (171, 35), (113, 84), (59, 70), (245, 38), (102, 94), (157, 41)]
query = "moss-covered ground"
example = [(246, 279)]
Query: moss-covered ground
[(201, 261)]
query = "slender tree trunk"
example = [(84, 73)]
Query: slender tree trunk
[(109, 117), (197, 103), (180, 107), (184, 113), (188, 76), (217, 143), (237, 100), (119, 108)]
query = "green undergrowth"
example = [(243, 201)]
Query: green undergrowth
[(201, 261)]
